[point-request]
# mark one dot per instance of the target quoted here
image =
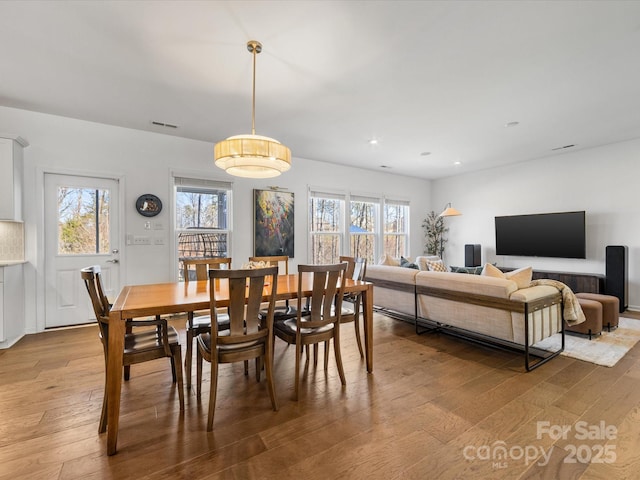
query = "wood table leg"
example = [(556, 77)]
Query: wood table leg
[(114, 378), (367, 306)]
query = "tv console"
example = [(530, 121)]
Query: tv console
[(578, 282)]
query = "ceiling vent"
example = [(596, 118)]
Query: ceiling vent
[(162, 124), (562, 148)]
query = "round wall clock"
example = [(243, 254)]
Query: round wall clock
[(148, 205)]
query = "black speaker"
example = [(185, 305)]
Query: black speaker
[(617, 274), (472, 255)]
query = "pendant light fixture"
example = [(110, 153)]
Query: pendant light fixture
[(252, 156)]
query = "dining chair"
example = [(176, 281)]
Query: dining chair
[(356, 270), (283, 308), (247, 336), (197, 269), (322, 323), (142, 346)]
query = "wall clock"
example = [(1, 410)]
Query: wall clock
[(148, 205)]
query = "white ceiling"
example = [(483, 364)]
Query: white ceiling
[(419, 76)]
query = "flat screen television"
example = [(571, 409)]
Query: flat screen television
[(542, 235)]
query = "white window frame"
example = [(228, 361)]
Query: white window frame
[(192, 180), (377, 201), (318, 192), (406, 234)]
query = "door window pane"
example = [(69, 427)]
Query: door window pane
[(83, 221)]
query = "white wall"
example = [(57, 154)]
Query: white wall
[(602, 181), (145, 161)]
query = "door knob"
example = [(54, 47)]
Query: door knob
[(115, 260)]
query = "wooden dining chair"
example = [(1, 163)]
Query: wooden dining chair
[(246, 337), (142, 346), (283, 309), (197, 269), (322, 323), (356, 270)]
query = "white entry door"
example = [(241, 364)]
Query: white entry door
[(81, 229)]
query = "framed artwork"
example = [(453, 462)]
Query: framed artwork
[(273, 225)]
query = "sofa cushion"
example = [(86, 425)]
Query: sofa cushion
[(472, 284)]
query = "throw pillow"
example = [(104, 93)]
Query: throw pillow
[(492, 271), (521, 276), (469, 270), (389, 260), (436, 266), (407, 264)]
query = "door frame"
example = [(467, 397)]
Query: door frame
[(41, 260)]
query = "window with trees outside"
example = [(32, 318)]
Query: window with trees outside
[(202, 218), (396, 228), (326, 216), (363, 231), (374, 226), (83, 220)]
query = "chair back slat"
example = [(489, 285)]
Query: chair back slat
[(201, 266), (246, 291), (326, 296), (91, 278)]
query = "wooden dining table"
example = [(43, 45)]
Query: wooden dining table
[(135, 301)]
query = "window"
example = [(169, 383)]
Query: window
[(365, 237), (83, 221), (396, 228), (202, 218), (326, 215), (363, 231)]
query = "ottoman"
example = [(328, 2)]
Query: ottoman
[(610, 308), (593, 313)]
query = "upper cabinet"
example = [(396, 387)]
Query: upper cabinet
[(11, 169)]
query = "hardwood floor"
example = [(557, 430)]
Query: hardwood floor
[(434, 408)]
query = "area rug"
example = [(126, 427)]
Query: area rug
[(605, 349)]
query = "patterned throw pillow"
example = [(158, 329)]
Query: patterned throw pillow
[(470, 270), (407, 264), (436, 266)]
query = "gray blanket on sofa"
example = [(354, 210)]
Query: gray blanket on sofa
[(571, 310)]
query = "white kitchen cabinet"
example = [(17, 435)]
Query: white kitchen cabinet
[(11, 170), (12, 324)]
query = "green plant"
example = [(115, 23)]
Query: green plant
[(434, 234)]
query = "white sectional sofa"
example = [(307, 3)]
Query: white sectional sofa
[(487, 309)]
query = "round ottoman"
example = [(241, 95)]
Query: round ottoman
[(593, 313), (610, 308)]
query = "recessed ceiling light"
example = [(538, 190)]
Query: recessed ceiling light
[(457, 163), (424, 154), (373, 141), (512, 124)]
